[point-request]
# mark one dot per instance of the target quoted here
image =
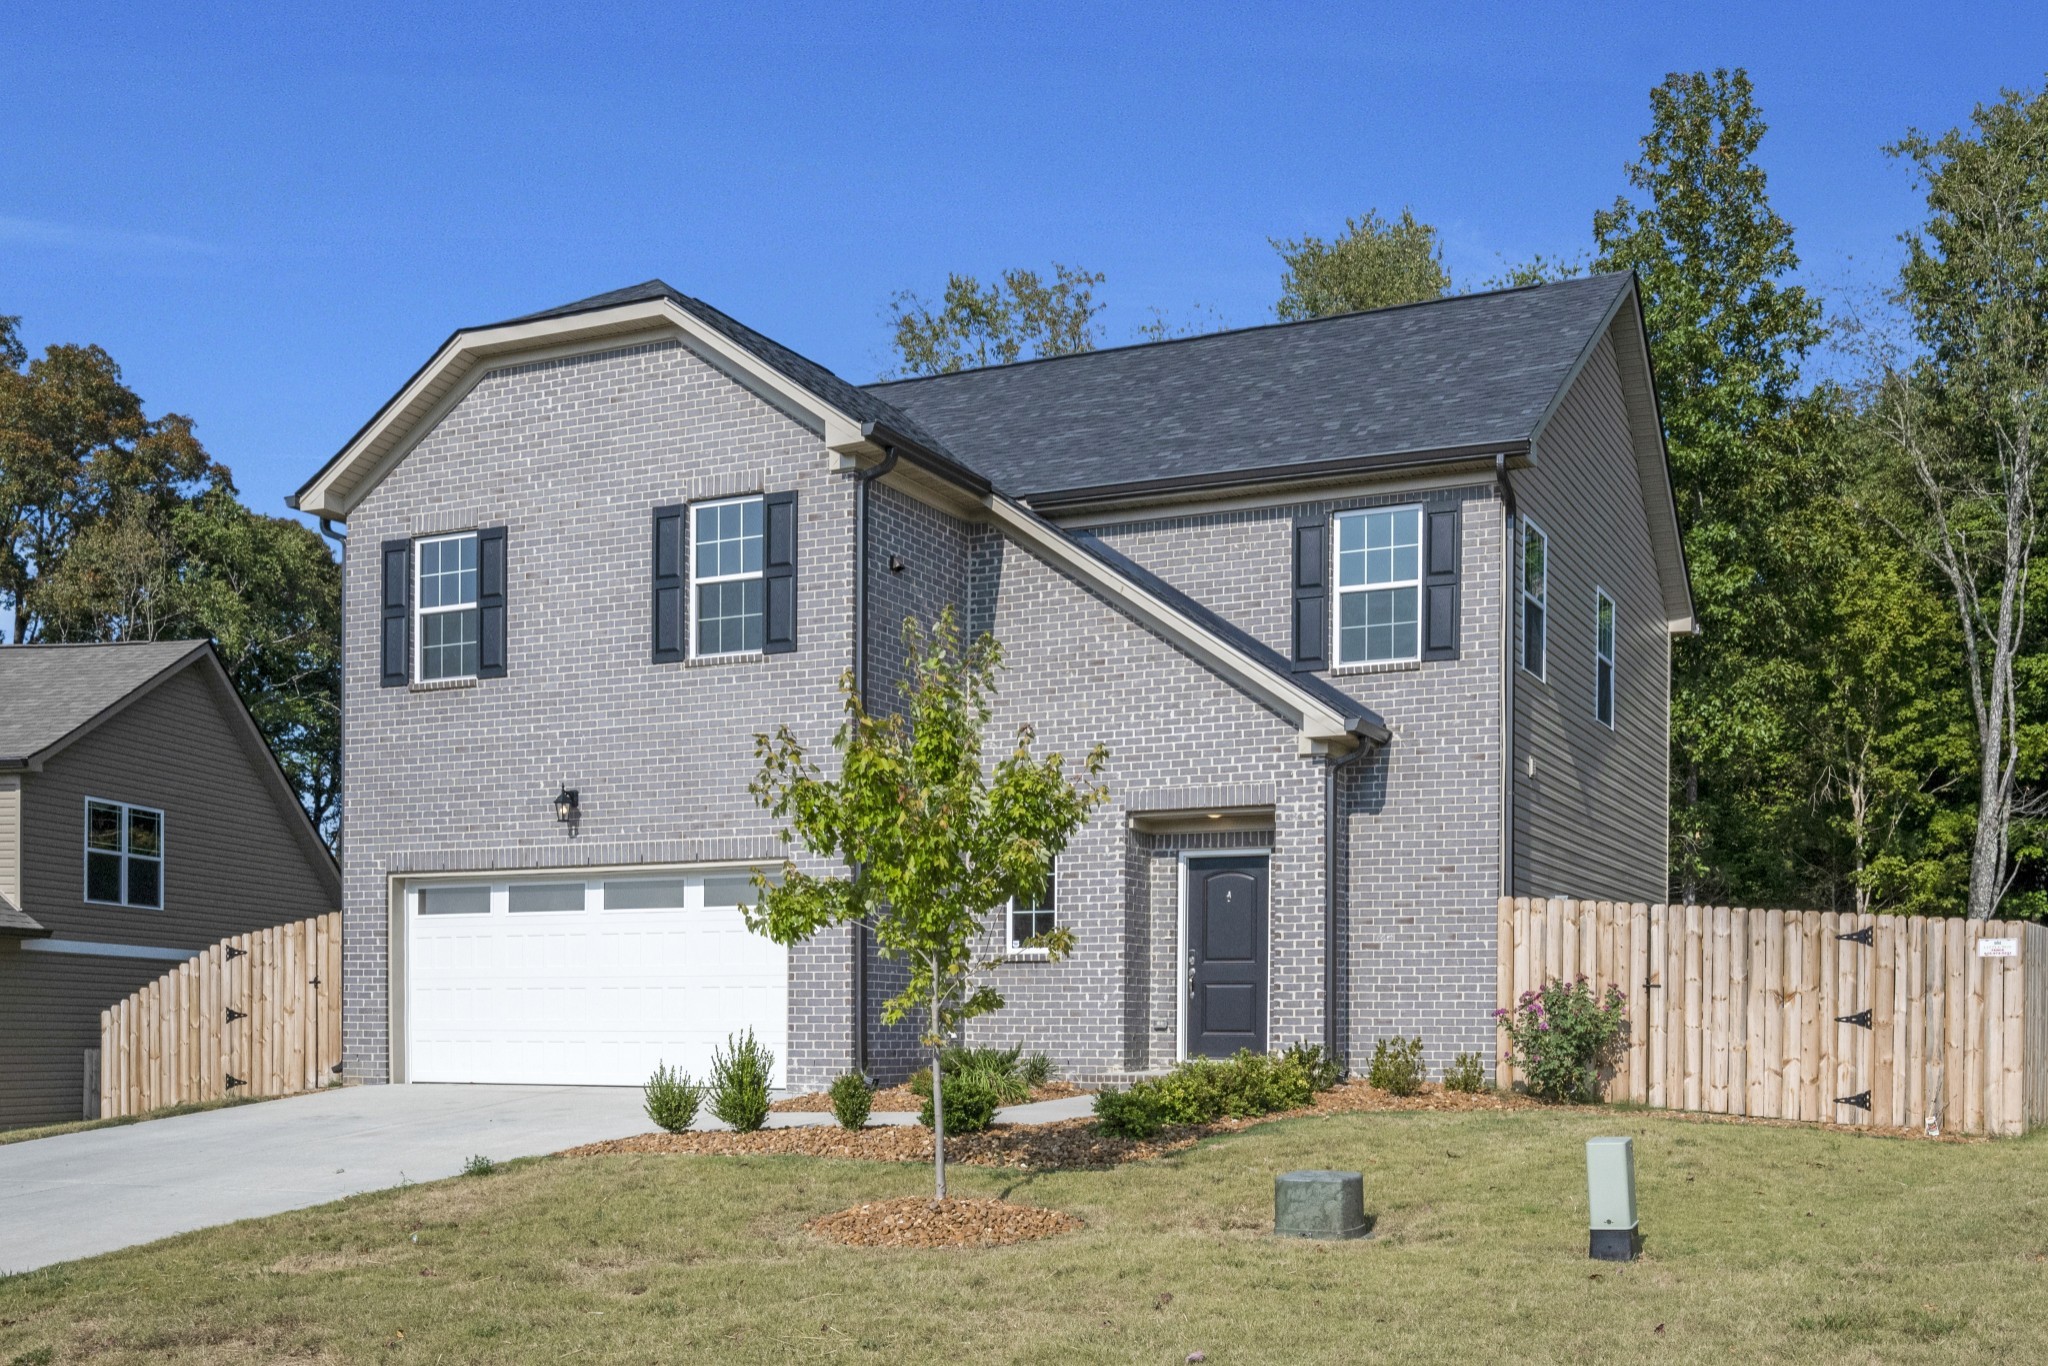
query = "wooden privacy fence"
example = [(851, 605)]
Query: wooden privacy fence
[(1854, 1019), (256, 1015)]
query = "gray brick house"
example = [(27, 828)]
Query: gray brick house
[(1372, 613)]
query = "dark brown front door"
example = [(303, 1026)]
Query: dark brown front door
[(1226, 956)]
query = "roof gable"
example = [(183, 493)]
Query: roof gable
[(54, 692)]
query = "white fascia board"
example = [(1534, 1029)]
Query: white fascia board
[(1323, 729), (468, 355)]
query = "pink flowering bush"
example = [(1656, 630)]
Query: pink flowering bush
[(1561, 1034)]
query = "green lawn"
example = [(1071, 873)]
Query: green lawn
[(1763, 1244)]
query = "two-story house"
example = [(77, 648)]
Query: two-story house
[(1372, 613)]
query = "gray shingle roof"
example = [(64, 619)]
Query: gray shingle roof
[(18, 923), (49, 691), (1472, 371)]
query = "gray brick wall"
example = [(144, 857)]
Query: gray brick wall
[(571, 456)]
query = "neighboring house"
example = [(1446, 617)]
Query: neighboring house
[(142, 818), (1372, 613)]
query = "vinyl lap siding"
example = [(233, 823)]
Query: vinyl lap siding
[(48, 1019), (1592, 820), (10, 837)]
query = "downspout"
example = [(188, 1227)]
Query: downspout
[(341, 681), (861, 480), (1511, 609), (1330, 1046)]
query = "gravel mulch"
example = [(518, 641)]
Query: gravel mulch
[(915, 1221), (901, 1099)]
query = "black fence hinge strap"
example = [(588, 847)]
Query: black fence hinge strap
[(1861, 1100), (234, 952), (1862, 936), (234, 1081), (1861, 1017), (234, 1015)]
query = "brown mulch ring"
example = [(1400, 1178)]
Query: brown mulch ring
[(902, 1100), (915, 1221)]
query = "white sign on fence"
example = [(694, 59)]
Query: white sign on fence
[(1998, 948)]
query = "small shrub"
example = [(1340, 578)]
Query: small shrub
[(1466, 1073), (1397, 1066), (999, 1069), (739, 1082), (672, 1098), (1036, 1070), (1323, 1071), (852, 1099), (479, 1166), (1561, 1034), (1129, 1114), (970, 1104)]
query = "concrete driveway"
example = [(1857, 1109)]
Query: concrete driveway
[(80, 1194)]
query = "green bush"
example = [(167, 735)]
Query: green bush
[(739, 1082), (1323, 1071), (1466, 1073), (1397, 1066), (970, 1103), (999, 1069), (672, 1098), (1561, 1034), (479, 1166), (852, 1099), (1129, 1114), (1036, 1070)]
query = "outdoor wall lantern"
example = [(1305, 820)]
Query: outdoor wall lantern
[(567, 806)]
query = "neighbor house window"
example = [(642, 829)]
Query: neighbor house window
[(1535, 594), (1603, 657), (124, 854), (447, 627), (1029, 921), (1379, 585), (727, 593)]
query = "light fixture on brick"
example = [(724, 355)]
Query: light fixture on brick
[(568, 805)]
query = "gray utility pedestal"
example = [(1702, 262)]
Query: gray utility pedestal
[(1611, 1200), (1320, 1205)]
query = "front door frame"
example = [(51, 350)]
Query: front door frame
[(1180, 957)]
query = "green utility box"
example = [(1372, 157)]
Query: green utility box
[(1611, 1196), (1320, 1205)]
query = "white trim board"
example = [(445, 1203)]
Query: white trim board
[(93, 948)]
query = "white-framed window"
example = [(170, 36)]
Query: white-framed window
[(1535, 596), (1603, 658), (1029, 921), (445, 632), (124, 854), (728, 597), (1379, 585)]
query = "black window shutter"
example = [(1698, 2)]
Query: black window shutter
[(778, 570), (397, 613), (1440, 585), (1311, 593), (671, 583), (490, 602)]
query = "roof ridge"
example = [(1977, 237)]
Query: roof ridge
[(1274, 326)]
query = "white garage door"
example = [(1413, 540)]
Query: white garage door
[(586, 982)]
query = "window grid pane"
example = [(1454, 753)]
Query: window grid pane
[(726, 562), (448, 645), (730, 617), (1379, 567), (1535, 594), (103, 877), (145, 883), (102, 826)]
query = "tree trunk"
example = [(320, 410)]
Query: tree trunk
[(938, 1108), (1987, 852)]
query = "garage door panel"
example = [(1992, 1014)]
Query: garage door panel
[(593, 997)]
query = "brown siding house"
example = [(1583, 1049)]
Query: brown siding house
[(142, 818)]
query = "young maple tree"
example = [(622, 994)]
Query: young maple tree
[(932, 840)]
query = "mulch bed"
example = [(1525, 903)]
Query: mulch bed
[(916, 1221), (902, 1100)]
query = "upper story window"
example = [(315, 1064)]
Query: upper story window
[(1379, 585), (1603, 657), (1535, 595), (124, 854), (727, 590), (446, 595), (1030, 922)]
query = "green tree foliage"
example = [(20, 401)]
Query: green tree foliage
[(1963, 427), (934, 841), (1374, 264), (1021, 317), (118, 526), (1727, 334)]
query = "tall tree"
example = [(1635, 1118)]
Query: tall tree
[(1375, 264), (1021, 317), (1727, 334), (1967, 426), (934, 842)]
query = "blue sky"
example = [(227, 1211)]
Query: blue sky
[(270, 216)]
